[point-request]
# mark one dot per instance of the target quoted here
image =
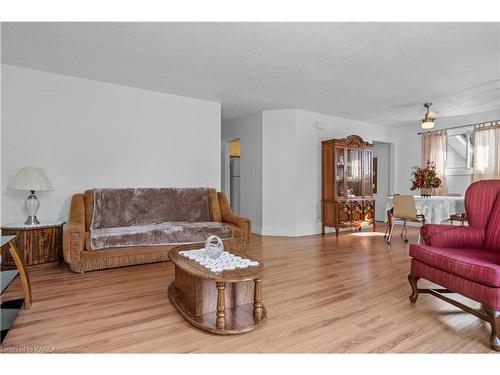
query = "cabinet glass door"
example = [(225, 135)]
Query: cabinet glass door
[(353, 174), (339, 171), (367, 173)]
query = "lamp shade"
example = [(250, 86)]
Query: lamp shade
[(30, 178), (427, 124)]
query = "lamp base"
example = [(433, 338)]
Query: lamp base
[(32, 220), (32, 204)]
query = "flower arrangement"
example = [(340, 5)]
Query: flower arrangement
[(425, 177)]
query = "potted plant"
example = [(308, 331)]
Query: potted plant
[(425, 179)]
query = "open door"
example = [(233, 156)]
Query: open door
[(234, 175)]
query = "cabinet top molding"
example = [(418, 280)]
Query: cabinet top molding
[(43, 224), (350, 141)]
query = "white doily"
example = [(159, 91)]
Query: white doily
[(226, 261)]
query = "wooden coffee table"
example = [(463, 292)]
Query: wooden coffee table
[(225, 303)]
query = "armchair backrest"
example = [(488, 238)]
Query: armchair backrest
[(482, 204), (404, 207)]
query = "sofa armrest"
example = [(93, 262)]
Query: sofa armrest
[(74, 230), (228, 216), (452, 236)]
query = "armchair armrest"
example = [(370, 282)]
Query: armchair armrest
[(452, 236), (74, 230), (229, 217)]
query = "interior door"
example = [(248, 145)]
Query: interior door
[(234, 168)]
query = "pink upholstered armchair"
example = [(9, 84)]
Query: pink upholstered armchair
[(465, 259)]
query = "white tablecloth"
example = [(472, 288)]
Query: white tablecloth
[(436, 209)]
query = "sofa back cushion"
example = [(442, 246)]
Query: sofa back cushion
[(127, 207), (480, 198)]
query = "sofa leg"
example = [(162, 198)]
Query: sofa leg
[(413, 283), (494, 319)]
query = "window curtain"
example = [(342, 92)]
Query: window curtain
[(434, 149), (487, 150)]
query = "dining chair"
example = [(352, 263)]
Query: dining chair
[(389, 222), (461, 218), (390, 212), (404, 209)]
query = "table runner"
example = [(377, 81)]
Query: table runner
[(225, 262)]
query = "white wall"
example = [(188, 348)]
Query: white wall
[(1, 100), (382, 152), (409, 149), (280, 168), (88, 134), (249, 130), (292, 166)]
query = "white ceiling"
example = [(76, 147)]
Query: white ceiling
[(375, 72)]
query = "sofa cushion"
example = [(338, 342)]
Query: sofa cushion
[(115, 208), (166, 233), (478, 265)]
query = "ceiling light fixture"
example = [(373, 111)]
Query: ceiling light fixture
[(428, 121)]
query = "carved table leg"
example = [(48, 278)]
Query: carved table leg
[(257, 304), (413, 282), (494, 318), (221, 305)]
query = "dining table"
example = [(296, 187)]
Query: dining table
[(436, 209)]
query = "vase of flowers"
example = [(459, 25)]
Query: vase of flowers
[(425, 179)]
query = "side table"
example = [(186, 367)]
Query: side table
[(37, 244)]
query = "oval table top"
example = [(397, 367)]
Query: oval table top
[(230, 276)]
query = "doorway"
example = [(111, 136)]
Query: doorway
[(234, 175)]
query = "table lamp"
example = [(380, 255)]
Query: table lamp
[(31, 179)]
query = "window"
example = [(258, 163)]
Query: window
[(460, 152)]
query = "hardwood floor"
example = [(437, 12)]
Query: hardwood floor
[(322, 294)]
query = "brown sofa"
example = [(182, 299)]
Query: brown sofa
[(105, 225)]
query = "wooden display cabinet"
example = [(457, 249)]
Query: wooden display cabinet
[(347, 184)]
